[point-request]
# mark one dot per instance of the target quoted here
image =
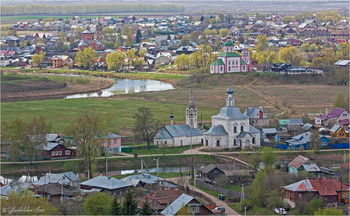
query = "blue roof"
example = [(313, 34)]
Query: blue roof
[(216, 130), (253, 130), (7, 189), (144, 178), (230, 113), (106, 182), (243, 134), (250, 112), (163, 134)]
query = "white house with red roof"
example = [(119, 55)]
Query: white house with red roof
[(231, 60), (336, 116)]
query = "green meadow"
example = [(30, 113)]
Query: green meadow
[(117, 114)]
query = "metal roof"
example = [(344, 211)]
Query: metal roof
[(242, 134), (175, 206), (298, 161), (49, 146), (227, 54), (217, 130), (250, 112), (106, 182), (163, 134), (7, 189), (111, 135), (171, 131), (311, 167), (62, 178), (230, 113), (269, 130), (303, 185), (144, 178), (253, 130), (217, 62), (83, 43), (335, 128)]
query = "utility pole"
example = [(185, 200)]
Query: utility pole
[(192, 157), (106, 155)]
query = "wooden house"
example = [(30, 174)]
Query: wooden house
[(160, 199), (338, 132), (302, 163), (190, 203), (330, 191), (52, 150)]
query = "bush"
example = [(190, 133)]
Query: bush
[(248, 204)]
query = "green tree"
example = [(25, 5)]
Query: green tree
[(116, 209), (98, 204), (14, 133), (38, 58), (138, 36), (223, 32), (340, 101), (117, 43), (315, 141), (145, 126), (182, 61), (288, 19), (305, 47), (343, 50), (86, 58), (146, 208), (129, 203), (254, 159), (262, 43), (274, 200), (291, 55), (314, 205), (329, 211), (108, 44), (129, 40), (87, 132), (202, 58), (115, 60), (268, 157), (26, 200), (190, 19)]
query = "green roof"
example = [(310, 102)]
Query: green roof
[(243, 62), (227, 54), (217, 62), (228, 43)]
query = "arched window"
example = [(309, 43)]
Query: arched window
[(242, 128), (206, 142), (234, 142), (202, 141), (234, 129), (229, 62), (181, 142), (253, 140), (229, 68), (221, 68), (217, 142)]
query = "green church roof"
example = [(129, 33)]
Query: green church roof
[(243, 62), (228, 43), (227, 54), (217, 62)]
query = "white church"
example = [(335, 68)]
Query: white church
[(230, 129)]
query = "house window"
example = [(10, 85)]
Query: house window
[(109, 142), (343, 195), (60, 152), (195, 209), (115, 141), (67, 152), (242, 128), (253, 140), (206, 142), (234, 129), (53, 153), (217, 142), (345, 114)]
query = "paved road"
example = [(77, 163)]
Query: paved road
[(228, 210), (195, 151)]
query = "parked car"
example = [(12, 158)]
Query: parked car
[(219, 208), (280, 211)]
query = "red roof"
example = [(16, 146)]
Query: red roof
[(327, 187), (160, 199), (100, 60), (298, 161)]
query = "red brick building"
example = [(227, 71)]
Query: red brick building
[(88, 40)]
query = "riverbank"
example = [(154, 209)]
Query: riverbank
[(20, 87)]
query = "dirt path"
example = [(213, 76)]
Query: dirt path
[(269, 99), (228, 210)]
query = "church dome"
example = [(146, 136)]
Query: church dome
[(230, 90), (228, 43), (230, 113)]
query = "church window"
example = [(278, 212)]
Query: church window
[(202, 141), (243, 67), (234, 142), (234, 129), (181, 142), (229, 68), (242, 128), (206, 142), (221, 68), (166, 142), (229, 62), (253, 140), (217, 142)]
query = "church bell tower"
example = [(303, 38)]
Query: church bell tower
[(191, 112)]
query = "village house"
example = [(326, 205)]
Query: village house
[(160, 199), (53, 150), (66, 178), (105, 183), (302, 163), (144, 179), (190, 203), (257, 117), (338, 132), (112, 143), (232, 171), (330, 191), (59, 61), (88, 40), (334, 117), (231, 61), (55, 192)]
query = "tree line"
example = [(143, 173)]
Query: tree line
[(84, 9)]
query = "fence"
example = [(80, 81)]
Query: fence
[(233, 195), (305, 146), (340, 146), (142, 147)]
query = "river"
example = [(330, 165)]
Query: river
[(127, 86)]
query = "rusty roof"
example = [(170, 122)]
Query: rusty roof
[(298, 161)]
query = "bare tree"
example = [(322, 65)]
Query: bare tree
[(87, 135), (146, 127), (315, 141)]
